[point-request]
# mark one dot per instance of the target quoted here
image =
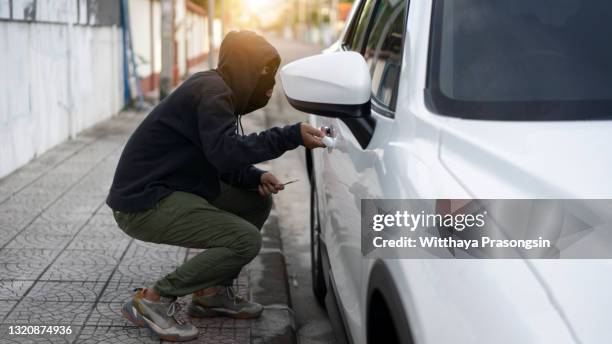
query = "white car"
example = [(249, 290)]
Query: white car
[(470, 99)]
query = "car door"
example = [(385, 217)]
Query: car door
[(352, 170)]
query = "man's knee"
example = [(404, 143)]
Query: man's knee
[(248, 243)]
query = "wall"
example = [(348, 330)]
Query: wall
[(197, 39), (61, 72), (190, 37)]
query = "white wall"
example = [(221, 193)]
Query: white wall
[(140, 23), (190, 33), (55, 80), (180, 24), (197, 35)]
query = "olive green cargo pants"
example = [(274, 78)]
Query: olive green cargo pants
[(227, 227)]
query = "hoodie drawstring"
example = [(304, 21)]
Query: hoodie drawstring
[(239, 131), (240, 125)]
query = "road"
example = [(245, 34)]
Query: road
[(292, 204)]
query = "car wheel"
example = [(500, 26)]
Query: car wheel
[(318, 280)]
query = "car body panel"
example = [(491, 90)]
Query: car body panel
[(419, 154)]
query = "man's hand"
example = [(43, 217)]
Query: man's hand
[(269, 184), (311, 136)]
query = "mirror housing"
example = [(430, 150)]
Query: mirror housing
[(334, 85)]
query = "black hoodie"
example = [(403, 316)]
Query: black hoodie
[(190, 141)]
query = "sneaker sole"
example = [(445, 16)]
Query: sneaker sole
[(197, 311), (128, 312), (170, 338)]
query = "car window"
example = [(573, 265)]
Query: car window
[(521, 60), (360, 25), (383, 51)]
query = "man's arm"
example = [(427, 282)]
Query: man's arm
[(248, 178), (228, 151)]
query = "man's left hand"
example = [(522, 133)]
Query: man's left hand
[(269, 184)]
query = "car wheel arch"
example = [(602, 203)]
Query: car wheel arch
[(382, 288)]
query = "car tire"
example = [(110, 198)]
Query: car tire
[(318, 280)]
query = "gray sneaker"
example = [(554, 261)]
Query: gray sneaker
[(158, 317), (225, 302)]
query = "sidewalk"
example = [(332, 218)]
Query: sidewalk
[(63, 261)]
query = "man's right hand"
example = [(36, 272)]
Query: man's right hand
[(311, 136)]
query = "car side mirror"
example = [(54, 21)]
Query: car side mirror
[(333, 85)]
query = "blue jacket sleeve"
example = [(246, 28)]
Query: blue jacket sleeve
[(228, 151)]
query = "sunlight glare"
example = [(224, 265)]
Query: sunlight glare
[(255, 6)]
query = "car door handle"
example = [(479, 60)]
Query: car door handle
[(329, 140)]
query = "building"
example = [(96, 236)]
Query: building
[(190, 38), (63, 66)]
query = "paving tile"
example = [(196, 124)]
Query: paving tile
[(88, 257), (118, 292), (37, 190), (7, 235), (103, 220), (101, 177), (17, 219), (141, 274), (95, 152), (217, 322), (105, 210), (5, 307), (107, 314), (21, 271), (82, 242), (65, 291), (51, 313), (92, 273), (75, 167), (102, 232), (21, 202), (56, 182), (59, 217), (109, 334), (5, 194), (154, 256), (18, 179), (93, 186), (34, 255), (40, 238), (14, 290), (77, 203)]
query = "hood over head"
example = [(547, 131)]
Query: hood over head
[(242, 58)]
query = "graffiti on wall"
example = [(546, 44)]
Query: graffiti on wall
[(81, 12)]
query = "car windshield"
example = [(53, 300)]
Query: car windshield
[(521, 59)]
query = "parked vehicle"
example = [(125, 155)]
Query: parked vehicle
[(459, 99)]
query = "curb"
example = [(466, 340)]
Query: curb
[(269, 286)]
